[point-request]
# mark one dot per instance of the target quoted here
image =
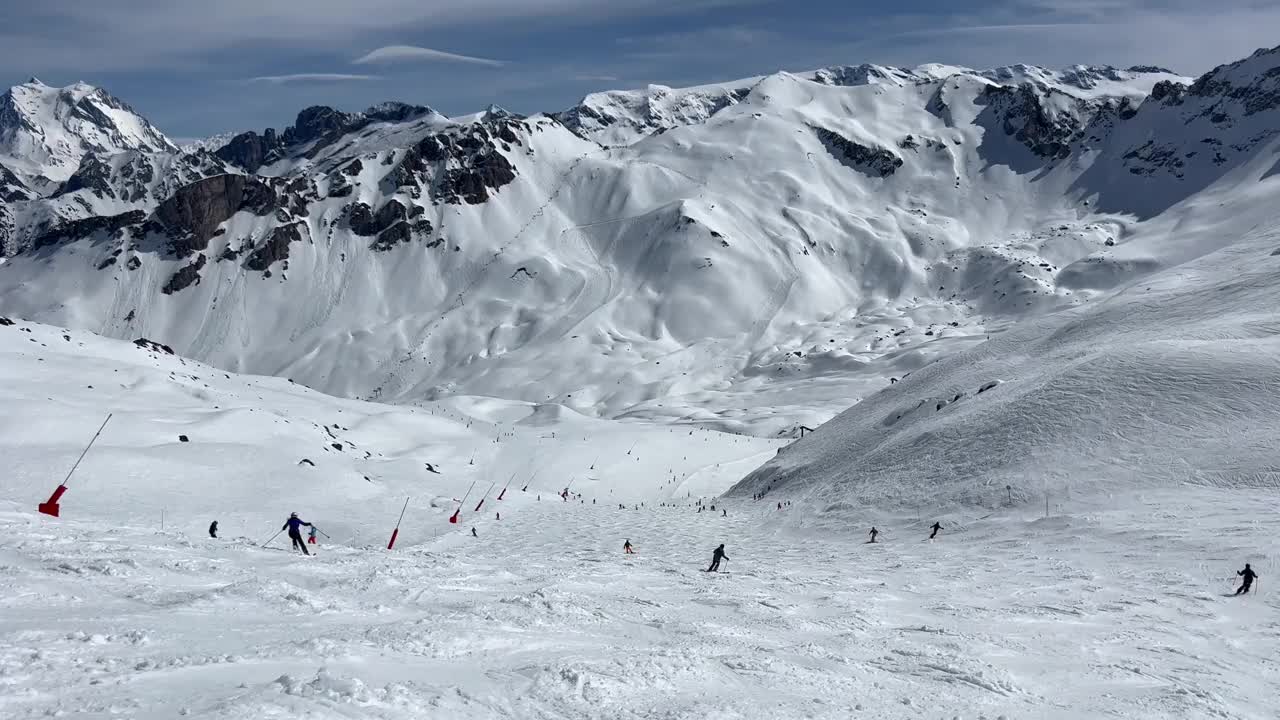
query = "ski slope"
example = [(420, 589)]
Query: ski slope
[(123, 607)]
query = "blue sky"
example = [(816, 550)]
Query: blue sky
[(198, 68)]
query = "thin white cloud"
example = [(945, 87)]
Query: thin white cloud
[(392, 54), (596, 78), (310, 78)]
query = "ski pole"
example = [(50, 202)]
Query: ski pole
[(322, 532), (273, 537)]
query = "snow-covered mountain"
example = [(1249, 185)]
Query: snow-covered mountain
[(1051, 294), (757, 254), (45, 131)]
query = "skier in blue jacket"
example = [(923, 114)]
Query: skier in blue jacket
[(294, 526)]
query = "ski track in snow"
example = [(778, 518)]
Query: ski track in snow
[(1102, 613)]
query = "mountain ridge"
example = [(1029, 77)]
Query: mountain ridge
[(670, 253)]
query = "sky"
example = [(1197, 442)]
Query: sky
[(197, 68)]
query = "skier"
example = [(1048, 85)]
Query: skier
[(716, 556), (724, 513), (1248, 574), (213, 530), (626, 548), (311, 536), (874, 532), (294, 526), (936, 527), (473, 533), (497, 516)]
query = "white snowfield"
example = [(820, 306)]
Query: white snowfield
[(1112, 607)]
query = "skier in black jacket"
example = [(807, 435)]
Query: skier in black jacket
[(716, 557), (936, 527), (294, 526), (213, 530), (1248, 574)]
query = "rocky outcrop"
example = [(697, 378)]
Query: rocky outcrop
[(392, 236), (186, 277), (192, 214), (317, 121), (93, 175), (251, 151), (1024, 113), (460, 165), (874, 162), (12, 189), (319, 124), (275, 249), (394, 112), (87, 227)]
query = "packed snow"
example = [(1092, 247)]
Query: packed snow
[(124, 607)]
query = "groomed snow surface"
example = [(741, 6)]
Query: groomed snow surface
[(1111, 607)]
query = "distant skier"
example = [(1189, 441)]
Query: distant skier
[(294, 526), (473, 533), (497, 516), (626, 548), (1248, 574), (213, 529), (311, 536), (874, 532), (724, 513), (716, 556), (936, 527), (779, 506)]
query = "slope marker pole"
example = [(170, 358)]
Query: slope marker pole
[(396, 533), (50, 507)]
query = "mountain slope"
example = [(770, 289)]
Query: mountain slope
[(757, 255), (46, 131), (1172, 380)]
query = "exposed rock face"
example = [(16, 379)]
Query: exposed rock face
[(1025, 115), (1168, 92), (275, 249), (319, 120), (394, 112), (87, 227), (196, 210), (93, 175), (319, 124), (250, 150), (12, 189), (153, 346), (875, 162), (1228, 113), (186, 277), (465, 160), (1254, 93), (392, 236)]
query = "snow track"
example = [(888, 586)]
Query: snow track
[(543, 616)]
